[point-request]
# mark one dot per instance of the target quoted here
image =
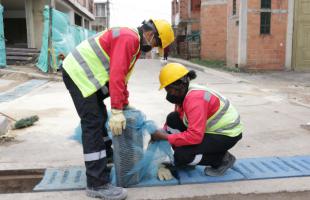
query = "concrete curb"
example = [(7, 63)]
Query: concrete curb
[(33, 75), (201, 68)]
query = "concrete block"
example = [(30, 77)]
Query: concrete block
[(4, 125)]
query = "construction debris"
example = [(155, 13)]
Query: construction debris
[(306, 126), (4, 125)]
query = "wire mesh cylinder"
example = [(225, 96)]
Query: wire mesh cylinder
[(128, 150)]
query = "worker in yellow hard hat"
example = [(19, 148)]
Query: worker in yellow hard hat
[(203, 127), (100, 67)]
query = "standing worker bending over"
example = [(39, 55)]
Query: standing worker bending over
[(100, 67), (204, 126)]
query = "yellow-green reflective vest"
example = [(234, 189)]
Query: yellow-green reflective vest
[(88, 65), (226, 121)]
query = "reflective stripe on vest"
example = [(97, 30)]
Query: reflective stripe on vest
[(105, 60), (86, 68), (226, 121), (88, 64)]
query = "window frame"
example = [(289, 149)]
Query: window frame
[(265, 17), (234, 7), (265, 4)]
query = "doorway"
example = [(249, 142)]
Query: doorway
[(301, 41)]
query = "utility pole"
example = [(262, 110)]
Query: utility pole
[(108, 14)]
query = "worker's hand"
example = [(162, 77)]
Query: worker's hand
[(164, 173), (117, 122), (158, 135), (61, 56)]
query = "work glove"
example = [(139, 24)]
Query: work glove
[(164, 173), (117, 122)]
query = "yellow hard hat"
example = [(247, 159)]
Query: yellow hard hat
[(165, 32), (171, 73)]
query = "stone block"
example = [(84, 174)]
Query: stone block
[(4, 125)]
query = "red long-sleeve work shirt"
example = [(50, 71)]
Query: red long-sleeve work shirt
[(197, 110), (121, 48)]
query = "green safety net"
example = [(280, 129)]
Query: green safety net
[(65, 37), (2, 40)]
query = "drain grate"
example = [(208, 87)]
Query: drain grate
[(253, 168), (274, 167), (72, 178), (198, 176), (21, 90)]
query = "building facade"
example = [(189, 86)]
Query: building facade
[(257, 34), (102, 16), (23, 19), (213, 29), (186, 24)]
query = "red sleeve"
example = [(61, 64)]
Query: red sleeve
[(126, 96), (196, 109), (122, 51)]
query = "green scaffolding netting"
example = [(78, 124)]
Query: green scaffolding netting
[(64, 38), (2, 40)]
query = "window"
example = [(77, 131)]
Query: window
[(100, 10), (86, 24), (77, 19), (234, 11), (265, 17), (266, 4)]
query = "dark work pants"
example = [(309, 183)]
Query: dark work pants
[(93, 115), (209, 152)]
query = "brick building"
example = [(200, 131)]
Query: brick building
[(256, 34), (213, 29), (186, 24)]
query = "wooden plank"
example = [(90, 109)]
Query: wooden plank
[(16, 53), (23, 49), (20, 58)]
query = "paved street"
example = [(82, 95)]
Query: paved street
[(272, 108)]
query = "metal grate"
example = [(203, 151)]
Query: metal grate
[(128, 151), (72, 178), (276, 167), (198, 176)]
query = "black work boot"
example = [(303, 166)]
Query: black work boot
[(107, 192), (228, 162)]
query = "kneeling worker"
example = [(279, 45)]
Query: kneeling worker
[(203, 127)]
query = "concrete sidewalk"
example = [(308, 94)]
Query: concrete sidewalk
[(272, 128)]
